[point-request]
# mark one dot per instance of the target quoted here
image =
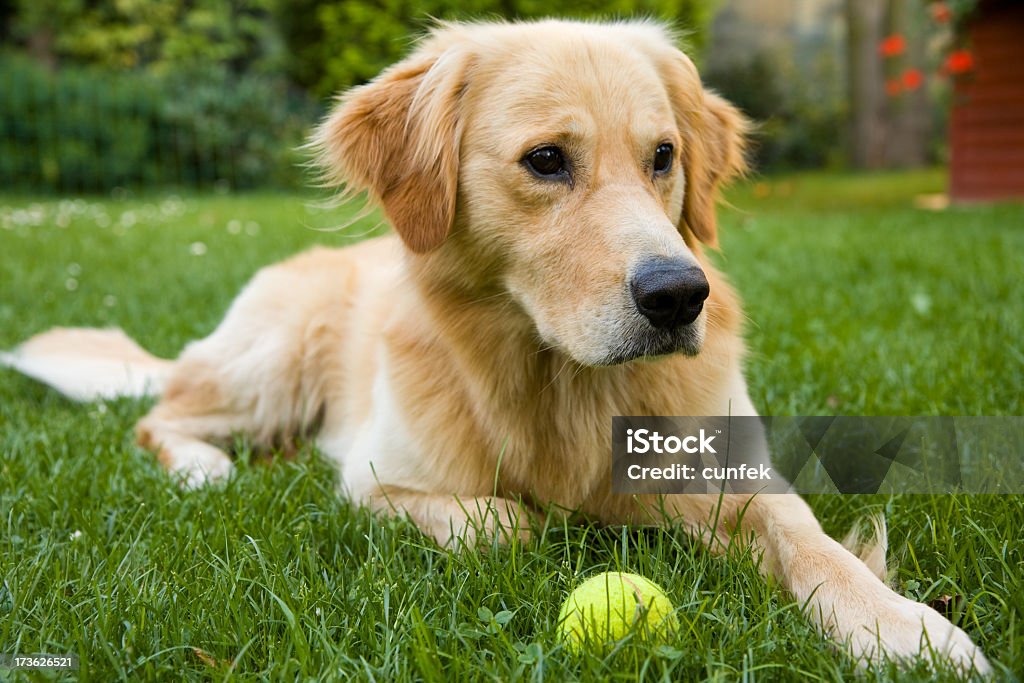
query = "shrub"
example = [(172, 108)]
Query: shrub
[(333, 45), (240, 129), (81, 129), (799, 122), (70, 130)]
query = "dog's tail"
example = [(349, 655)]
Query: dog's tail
[(88, 364)]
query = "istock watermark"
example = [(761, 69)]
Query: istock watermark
[(845, 454)]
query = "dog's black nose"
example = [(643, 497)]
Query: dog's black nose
[(669, 292)]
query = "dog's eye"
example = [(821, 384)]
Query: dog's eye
[(663, 158), (546, 162)]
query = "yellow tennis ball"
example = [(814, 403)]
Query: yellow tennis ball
[(607, 607)]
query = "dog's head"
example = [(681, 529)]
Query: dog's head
[(572, 165)]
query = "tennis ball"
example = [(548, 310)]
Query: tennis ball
[(607, 607)]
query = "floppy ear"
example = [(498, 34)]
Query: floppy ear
[(714, 140), (713, 157), (397, 138)]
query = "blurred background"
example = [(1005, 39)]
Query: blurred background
[(102, 95)]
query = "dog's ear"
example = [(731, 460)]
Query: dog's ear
[(714, 140), (713, 156), (397, 138)]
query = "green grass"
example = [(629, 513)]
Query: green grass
[(859, 304)]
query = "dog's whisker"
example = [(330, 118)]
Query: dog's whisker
[(557, 375)]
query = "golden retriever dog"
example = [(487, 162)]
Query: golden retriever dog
[(552, 186)]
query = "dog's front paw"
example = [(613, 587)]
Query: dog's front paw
[(196, 464), (906, 630), (487, 518)]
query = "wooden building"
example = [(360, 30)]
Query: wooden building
[(987, 125)]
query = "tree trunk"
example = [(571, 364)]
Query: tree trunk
[(909, 114), (40, 47), (866, 78)]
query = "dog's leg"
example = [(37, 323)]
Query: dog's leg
[(180, 429), (451, 520), (207, 401), (841, 595), (263, 373)]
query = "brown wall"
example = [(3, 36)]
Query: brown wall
[(987, 126)]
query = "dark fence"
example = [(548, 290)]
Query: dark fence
[(82, 130)]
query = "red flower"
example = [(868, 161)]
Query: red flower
[(893, 45), (912, 79), (893, 87), (959, 62), (941, 12)]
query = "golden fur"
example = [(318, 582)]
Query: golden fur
[(468, 369)]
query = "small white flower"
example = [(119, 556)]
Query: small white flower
[(921, 302), (71, 284), (36, 214), (197, 248), (172, 206), (75, 535)]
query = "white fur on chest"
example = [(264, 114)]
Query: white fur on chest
[(378, 451)]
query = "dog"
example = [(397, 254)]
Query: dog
[(552, 186)]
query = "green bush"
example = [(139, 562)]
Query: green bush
[(799, 123), (155, 35), (240, 129), (333, 45), (83, 130), (61, 131)]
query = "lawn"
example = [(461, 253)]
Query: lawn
[(859, 303)]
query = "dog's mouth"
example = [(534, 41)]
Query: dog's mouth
[(651, 344)]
